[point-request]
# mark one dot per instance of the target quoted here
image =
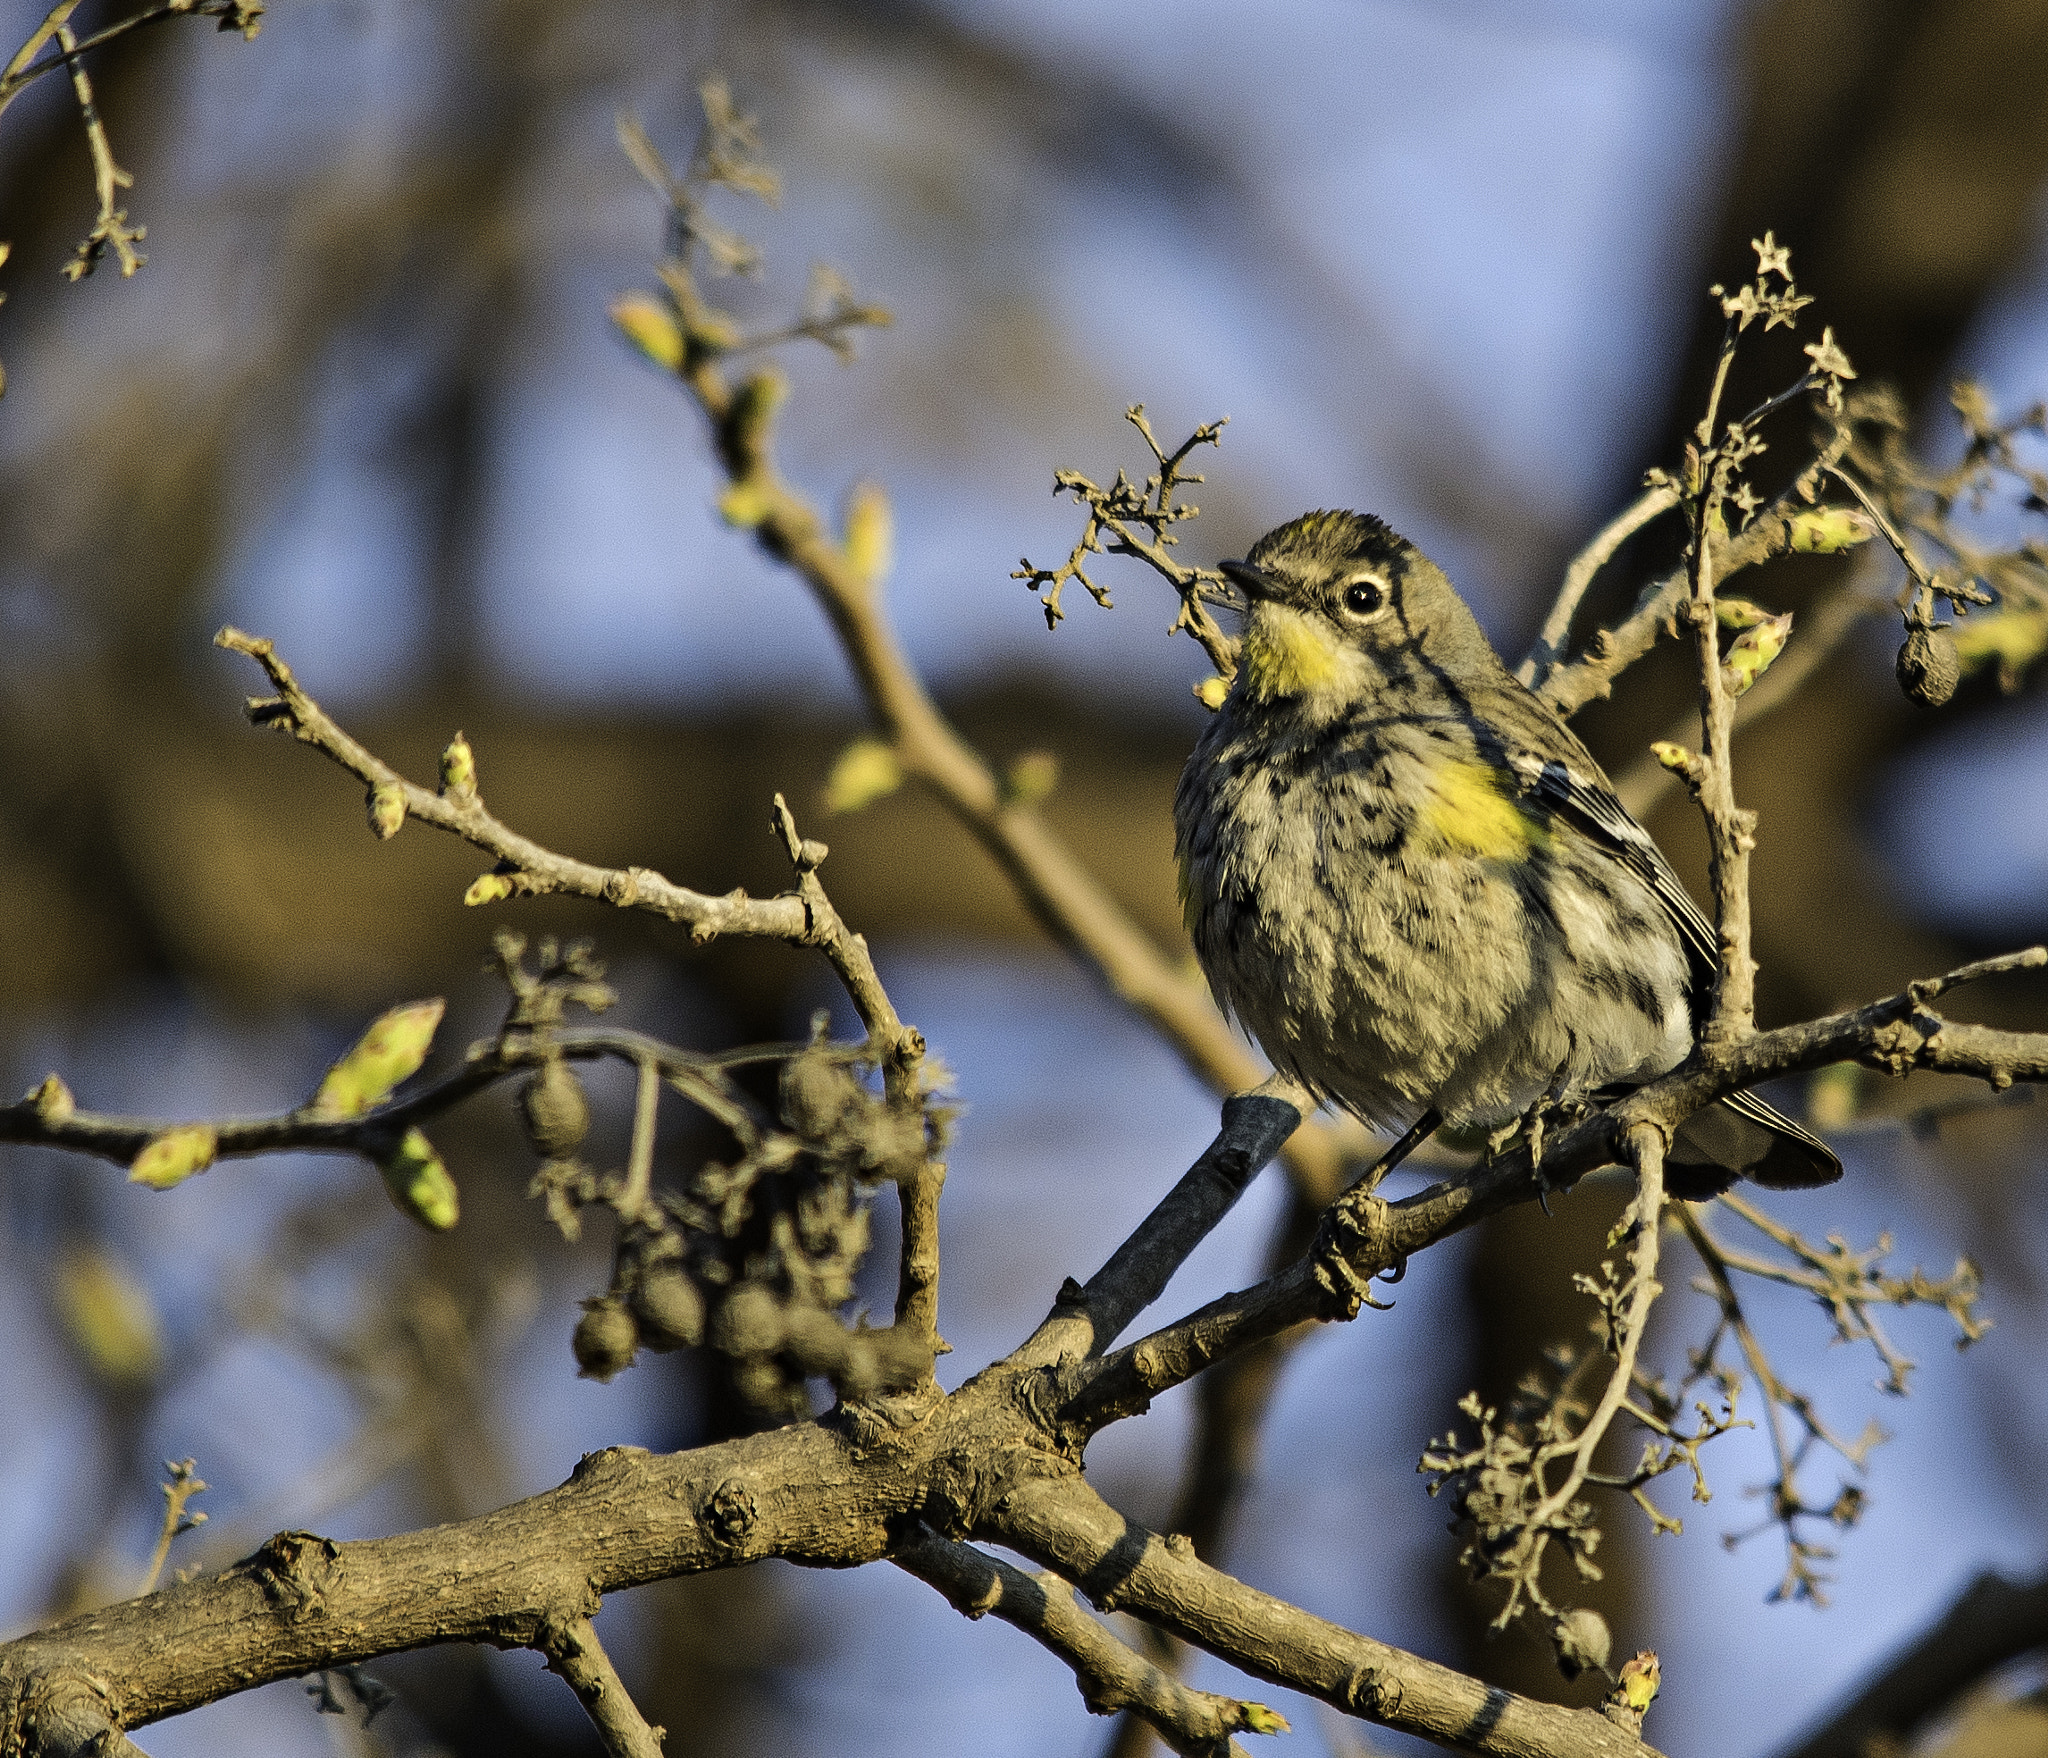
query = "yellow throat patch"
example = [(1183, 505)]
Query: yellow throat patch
[(1287, 653), (1470, 810)]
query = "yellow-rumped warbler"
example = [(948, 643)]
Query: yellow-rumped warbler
[(1410, 881)]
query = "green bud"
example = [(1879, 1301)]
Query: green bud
[(52, 1100), (651, 327), (1830, 530), (1834, 1095), (172, 1155), (386, 803), (1211, 691), (1256, 1718), (393, 1048), (458, 769), (1674, 757), (870, 532), (419, 1183), (867, 770), (746, 503), (712, 331), (1033, 776), (488, 888), (1640, 1681), (109, 1316), (1738, 613), (1753, 651), (605, 1339)]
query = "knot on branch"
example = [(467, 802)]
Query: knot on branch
[(730, 1513), (1373, 1692), (296, 1571), (68, 1715), (1897, 1047)]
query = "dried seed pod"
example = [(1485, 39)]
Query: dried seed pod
[(556, 1113), (1928, 666), (605, 1339), (669, 1308), (1582, 1640)]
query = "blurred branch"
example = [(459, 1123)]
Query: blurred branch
[(110, 229), (1548, 650), (185, 1483), (1993, 1621), (843, 574), (1111, 1676)]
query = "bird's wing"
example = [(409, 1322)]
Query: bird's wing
[(1580, 795)]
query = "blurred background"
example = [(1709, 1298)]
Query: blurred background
[(1441, 259)]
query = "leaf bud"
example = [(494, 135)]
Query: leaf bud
[(866, 771), (172, 1155), (1752, 652), (870, 532), (458, 769), (488, 888), (1929, 667), (418, 1182), (52, 1099), (605, 1339), (389, 1052), (1031, 778), (1211, 691), (386, 803)]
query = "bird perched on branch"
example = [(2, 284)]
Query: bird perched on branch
[(1412, 884)]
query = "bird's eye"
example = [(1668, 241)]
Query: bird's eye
[(1363, 597)]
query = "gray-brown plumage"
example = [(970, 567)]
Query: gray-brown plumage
[(1412, 884)]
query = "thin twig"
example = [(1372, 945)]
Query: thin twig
[(185, 1483), (574, 1652), (1111, 1676), (1557, 626)]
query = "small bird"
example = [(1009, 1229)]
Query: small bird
[(1412, 884)]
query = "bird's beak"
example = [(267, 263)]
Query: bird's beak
[(1253, 582)]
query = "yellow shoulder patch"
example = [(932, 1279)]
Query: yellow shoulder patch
[(1287, 653), (1471, 809)]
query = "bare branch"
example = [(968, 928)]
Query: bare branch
[(574, 1652), (1111, 1676), (1548, 651)]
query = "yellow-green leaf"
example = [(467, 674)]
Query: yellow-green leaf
[(870, 532), (172, 1155), (2011, 639), (1830, 530), (867, 771), (651, 327), (1834, 1095), (394, 1047), (419, 1183), (109, 1316)]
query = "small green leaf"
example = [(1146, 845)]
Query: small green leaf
[(109, 1316), (651, 327), (419, 1183), (171, 1156), (1211, 691), (1031, 778), (867, 771), (746, 503)]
